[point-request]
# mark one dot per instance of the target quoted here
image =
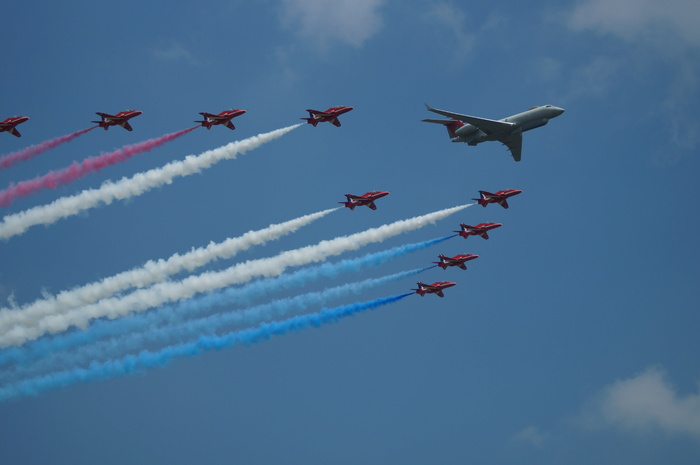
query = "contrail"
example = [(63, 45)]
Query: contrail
[(125, 188), (44, 347), (151, 272), (185, 330), (30, 152), (159, 294), (150, 359), (54, 179)]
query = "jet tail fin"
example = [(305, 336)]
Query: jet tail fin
[(311, 121), (451, 124), (206, 124)]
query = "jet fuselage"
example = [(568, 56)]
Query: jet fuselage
[(533, 118)]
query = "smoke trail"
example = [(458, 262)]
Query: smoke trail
[(134, 341), (149, 359), (54, 179), (151, 272), (30, 152), (143, 299), (125, 188), (42, 348)]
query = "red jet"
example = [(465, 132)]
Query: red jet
[(224, 118), (499, 197), (331, 115), (478, 230), (435, 288), (10, 123), (120, 119), (457, 260), (365, 199)]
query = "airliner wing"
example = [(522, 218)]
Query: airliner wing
[(514, 142), (489, 126)]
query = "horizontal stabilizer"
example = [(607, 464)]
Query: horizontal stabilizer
[(439, 121)]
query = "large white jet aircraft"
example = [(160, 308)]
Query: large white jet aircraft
[(508, 131)]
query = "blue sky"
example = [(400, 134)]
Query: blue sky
[(572, 339)]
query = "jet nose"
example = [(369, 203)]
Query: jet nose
[(559, 110)]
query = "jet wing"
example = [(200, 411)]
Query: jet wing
[(126, 126), (14, 132), (514, 142), (489, 126)]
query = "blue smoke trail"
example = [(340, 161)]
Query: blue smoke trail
[(43, 347), (134, 341), (149, 359)]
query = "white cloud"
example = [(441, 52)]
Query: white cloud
[(665, 35), (648, 402), (532, 435), (453, 18), (633, 20), (174, 52), (348, 21)]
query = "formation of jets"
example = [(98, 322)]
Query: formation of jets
[(509, 131), (364, 199), (9, 125), (471, 130), (224, 118)]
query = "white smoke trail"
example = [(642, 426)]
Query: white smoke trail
[(134, 341), (13, 225), (143, 299), (151, 272)]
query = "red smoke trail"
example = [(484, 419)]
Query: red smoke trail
[(54, 179), (34, 150)]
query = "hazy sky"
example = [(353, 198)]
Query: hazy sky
[(571, 339)]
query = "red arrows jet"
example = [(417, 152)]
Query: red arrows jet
[(364, 199), (457, 260), (10, 123), (435, 288), (499, 197), (120, 119), (224, 118), (478, 230), (331, 115)]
